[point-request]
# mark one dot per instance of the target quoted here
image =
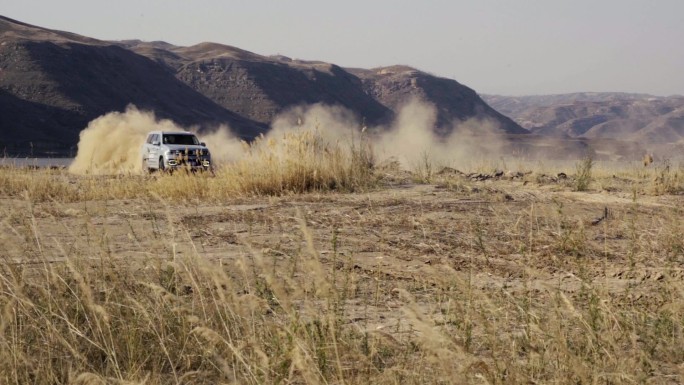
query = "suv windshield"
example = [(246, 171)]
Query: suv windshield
[(180, 139)]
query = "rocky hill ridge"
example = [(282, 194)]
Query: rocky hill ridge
[(52, 83), (632, 117)]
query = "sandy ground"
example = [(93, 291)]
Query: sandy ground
[(499, 236)]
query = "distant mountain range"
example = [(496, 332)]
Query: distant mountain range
[(629, 117), (52, 83)]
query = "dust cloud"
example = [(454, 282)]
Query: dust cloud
[(335, 123), (412, 139), (223, 145), (111, 143)]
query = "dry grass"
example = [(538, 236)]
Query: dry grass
[(298, 162), (583, 173), (519, 288)]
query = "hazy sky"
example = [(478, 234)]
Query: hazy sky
[(510, 47)]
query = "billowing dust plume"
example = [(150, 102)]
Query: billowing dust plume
[(411, 139), (111, 143), (408, 140), (223, 145)]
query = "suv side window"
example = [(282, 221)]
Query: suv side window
[(149, 139)]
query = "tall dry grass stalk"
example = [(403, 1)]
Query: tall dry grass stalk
[(583, 175), (185, 319), (168, 317), (301, 161)]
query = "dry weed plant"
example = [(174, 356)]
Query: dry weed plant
[(423, 168), (583, 173), (667, 179)]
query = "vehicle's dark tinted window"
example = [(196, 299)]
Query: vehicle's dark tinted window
[(180, 139), (149, 139)]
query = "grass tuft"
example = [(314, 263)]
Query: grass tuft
[(583, 175)]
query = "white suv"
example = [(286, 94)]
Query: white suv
[(164, 150)]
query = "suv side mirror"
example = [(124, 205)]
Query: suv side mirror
[(155, 143), (203, 144)]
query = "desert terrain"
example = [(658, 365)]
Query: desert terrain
[(359, 226), (532, 274)]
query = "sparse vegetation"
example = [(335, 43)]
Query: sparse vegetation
[(300, 161), (668, 180), (254, 276), (423, 168), (583, 175)]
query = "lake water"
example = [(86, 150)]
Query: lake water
[(36, 162)]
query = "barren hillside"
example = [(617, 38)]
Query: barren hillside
[(455, 103), (632, 117), (52, 83)]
